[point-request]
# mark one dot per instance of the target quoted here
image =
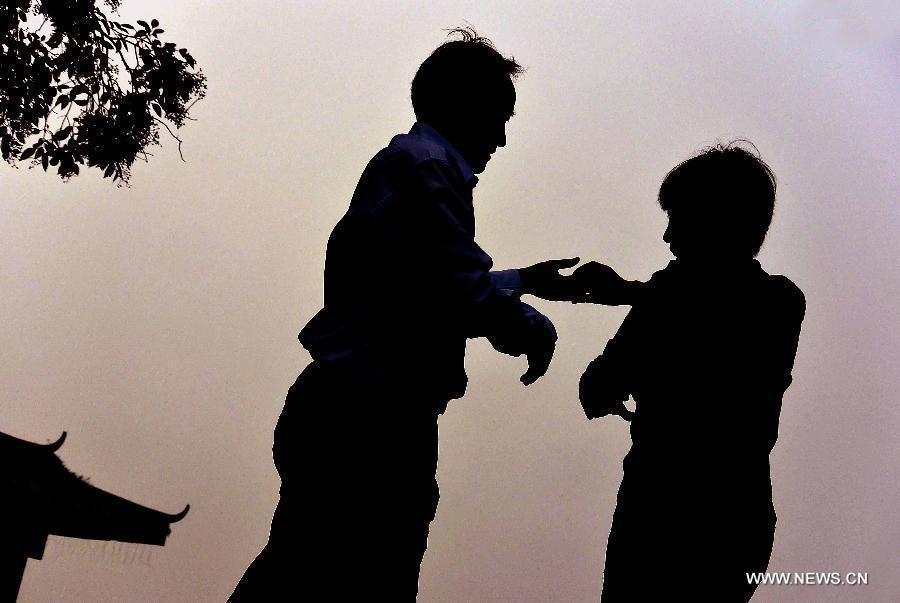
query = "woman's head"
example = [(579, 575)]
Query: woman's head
[(719, 202)]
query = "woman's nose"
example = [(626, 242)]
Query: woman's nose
[(667, 235)]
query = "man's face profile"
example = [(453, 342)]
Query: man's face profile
[(480, 128), (481, 139)]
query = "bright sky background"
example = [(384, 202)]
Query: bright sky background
[(157, 324)]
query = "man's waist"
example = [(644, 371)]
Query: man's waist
[(376, 376)]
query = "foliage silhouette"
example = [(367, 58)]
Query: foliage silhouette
[(90, 90)]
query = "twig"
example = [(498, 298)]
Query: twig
[(173, 136)]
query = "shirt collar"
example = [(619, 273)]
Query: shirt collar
[(420, 128)]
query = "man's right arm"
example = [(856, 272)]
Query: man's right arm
[(435, 228), (592, 282)]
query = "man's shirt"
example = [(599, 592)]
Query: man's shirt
[(405, 281)]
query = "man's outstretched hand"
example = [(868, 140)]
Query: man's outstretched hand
[(544, 280)]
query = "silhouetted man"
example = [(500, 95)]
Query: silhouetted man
[(405, 286)]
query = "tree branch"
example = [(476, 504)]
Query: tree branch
[(173, 135)]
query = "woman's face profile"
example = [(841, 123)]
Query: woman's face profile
[(676, 234), (696, 236)]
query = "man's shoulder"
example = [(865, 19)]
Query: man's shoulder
[(410, 158), (412, 149)]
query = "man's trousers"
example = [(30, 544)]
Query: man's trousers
[(357, 461)]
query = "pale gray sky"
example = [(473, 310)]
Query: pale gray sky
[(157, 324)]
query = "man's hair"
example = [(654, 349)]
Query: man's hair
[(461, 74), (728, 186)]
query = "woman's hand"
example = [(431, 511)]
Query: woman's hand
[(594, 400), (602, 285)]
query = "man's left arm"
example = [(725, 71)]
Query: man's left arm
[(539, 343)]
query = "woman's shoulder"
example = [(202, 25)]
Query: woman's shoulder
[(785, 293)]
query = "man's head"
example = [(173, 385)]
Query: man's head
[(465, 91), (719, 204)]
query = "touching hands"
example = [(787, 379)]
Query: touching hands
[(602, 285), (592, 282)]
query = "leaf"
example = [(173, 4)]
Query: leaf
[(143, 24), (154, 23), (44, 162), (156, 32), (63, 100), (156, 108), (81, 102), (62, 134), (26, 154)]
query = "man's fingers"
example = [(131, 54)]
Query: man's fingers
[(562, 264), (533, 374), (538, 363), (528, 378)]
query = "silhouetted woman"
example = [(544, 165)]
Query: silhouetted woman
[(706, 354)]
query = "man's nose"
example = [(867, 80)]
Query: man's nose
[(501, 140), (667, 235)]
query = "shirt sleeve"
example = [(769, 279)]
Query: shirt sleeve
[(506, 279), (515, 345), (779, 363), (509, 282)]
